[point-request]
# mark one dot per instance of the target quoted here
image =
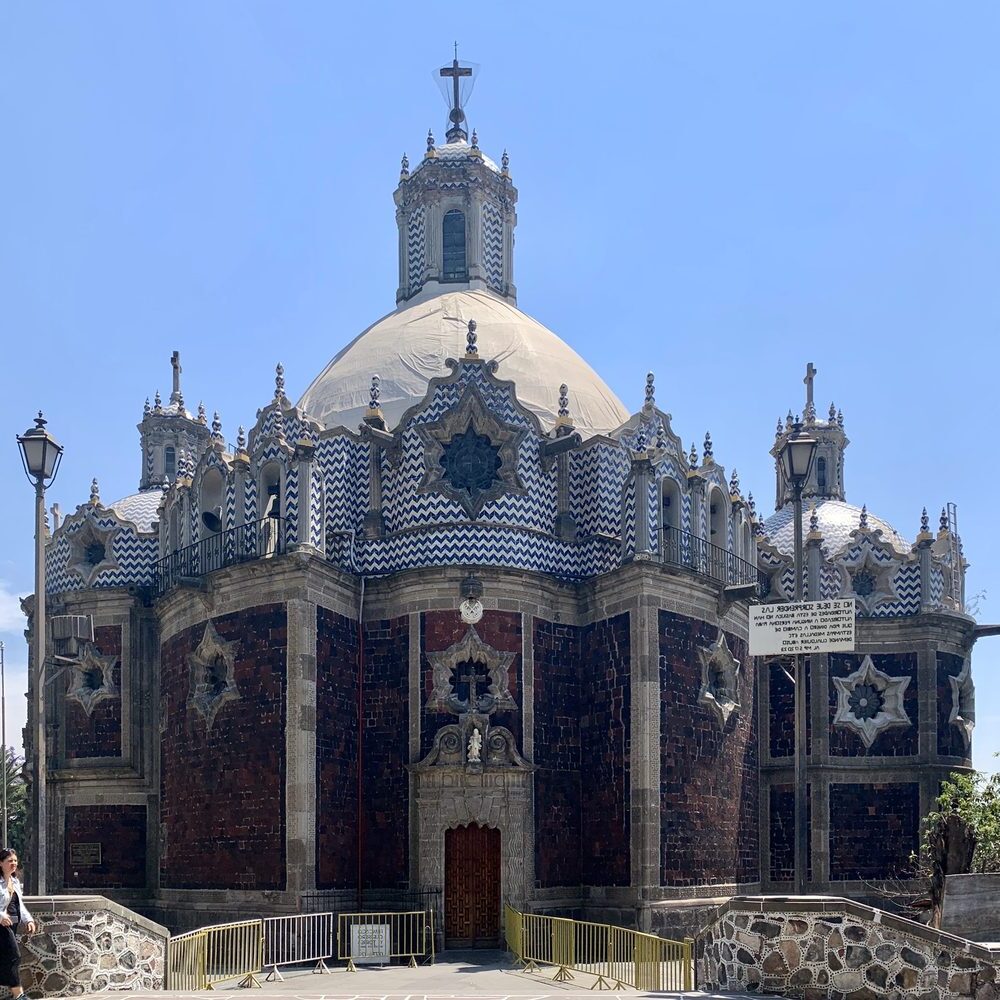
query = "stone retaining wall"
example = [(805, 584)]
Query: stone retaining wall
[(88, 943), (972, 907), (824, 947)]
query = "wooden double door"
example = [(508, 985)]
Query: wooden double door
[(472, 887)]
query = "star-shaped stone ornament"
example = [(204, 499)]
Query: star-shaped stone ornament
[(720, 680), (212, 681), (869, 702), (456, 664), (90, 549), (868, 578), (470, 455), (92, 679), (963, 701)]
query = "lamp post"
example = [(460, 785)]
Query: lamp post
[(797, 455), (41, 455)]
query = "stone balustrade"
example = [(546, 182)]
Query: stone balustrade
[(825, 947), (88, 943)]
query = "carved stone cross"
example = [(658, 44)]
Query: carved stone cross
[(811, 374)]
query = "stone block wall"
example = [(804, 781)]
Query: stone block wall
[(223, 784), (708, 771), (87, 944), (120, 833), (98, 734), (817, 947), (336, 751), (874, 827), (972, 907)]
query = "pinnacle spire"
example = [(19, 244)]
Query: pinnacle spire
[(456, 115)]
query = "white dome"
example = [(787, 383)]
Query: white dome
[(836, 522), (407, 348)]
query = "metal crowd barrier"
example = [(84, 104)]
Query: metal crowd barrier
[(615, 956), (295, 940), (375, 938), (200, 959)]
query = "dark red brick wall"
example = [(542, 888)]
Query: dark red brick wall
[(100, 733), (557, 753), (121, 832), (336, 751), (781, 717), (950, 741), (223, 789), (873, 830), (708, 778), (441, 629), (781, 823), (899, 742), (386, 749), (605, 750)]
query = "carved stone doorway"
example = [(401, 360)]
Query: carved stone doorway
[(472, 887)]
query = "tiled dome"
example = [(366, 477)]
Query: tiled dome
[(836, 522), (139, 508)]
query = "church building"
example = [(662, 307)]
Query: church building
[(459, 624)]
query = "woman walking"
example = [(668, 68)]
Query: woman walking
[(12, 913)]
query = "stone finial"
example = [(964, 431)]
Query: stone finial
[(95, 493), (925, 522), (157, 402), (279, 380), (430, 141), (475, 139), (693, 457), (752, 506), (145, 407), (374, 392), (780, 429), (180, 401), (943, 522), (840, 418), (202, 415), (708, 448), (241, 439), (216, 428), (813, 520), (833, 413), (734, 484), (404, 167), (564, 400), (661, 435), (650, 400), (505, 163), (789, 421), (471, 350), (863, 520)]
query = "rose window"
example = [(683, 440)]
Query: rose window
[(471, 461)]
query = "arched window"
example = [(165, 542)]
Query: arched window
[(169, 462), (821, 476), (211, 503), (670, 521), (453, 267), (717, 533)]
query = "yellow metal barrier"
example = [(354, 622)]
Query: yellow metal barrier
[(375, 938), (200, 959), (615, 956), (186, 962)]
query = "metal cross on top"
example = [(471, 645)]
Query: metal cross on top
[(456, 116), (811, 374)]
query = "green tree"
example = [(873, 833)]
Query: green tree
[(975, 800), (17, 801)]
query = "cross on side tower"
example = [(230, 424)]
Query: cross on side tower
[(811, 374), (456, 116)]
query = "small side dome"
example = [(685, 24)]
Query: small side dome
[(836, 520), (139, 508)]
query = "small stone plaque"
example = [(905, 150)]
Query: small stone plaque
[(85, 855)]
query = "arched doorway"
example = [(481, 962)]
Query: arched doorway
[(472, 887)]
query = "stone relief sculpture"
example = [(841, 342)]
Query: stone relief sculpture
[(869, 702), (720, 680), (212, 681)]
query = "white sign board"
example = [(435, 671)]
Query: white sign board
[(371, 943), (804, 627)]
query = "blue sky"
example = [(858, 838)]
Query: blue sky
[(717, 192)]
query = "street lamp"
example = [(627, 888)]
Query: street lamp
[(40, 455), (796, 457)]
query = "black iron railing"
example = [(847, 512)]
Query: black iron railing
[(681, 548), (244, 543)]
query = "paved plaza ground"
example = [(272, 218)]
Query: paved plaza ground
[(476, 975)]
